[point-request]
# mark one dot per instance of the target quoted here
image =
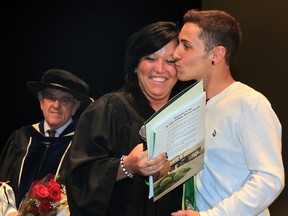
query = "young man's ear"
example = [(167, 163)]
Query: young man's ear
[(218, 53)]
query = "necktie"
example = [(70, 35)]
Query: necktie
[(51, 132)]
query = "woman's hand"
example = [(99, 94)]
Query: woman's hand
[(185, 213), (137, 162), (13, 214)]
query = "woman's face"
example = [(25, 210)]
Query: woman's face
[(157, 74)]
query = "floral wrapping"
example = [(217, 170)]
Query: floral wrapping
[(45, 197)]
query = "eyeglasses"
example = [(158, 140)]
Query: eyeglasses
[(62, 100)]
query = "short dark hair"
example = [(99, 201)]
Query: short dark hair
[(218, 28), (146, 41)]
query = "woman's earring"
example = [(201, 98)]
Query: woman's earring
[(212, 62), (135, 70)]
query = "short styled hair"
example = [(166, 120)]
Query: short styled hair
[(218, 28)]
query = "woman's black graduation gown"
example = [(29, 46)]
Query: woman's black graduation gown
[(108, 129)]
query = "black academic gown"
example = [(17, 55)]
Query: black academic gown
[(108, 129), (28, 156)]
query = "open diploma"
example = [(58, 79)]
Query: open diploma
[(178, 129)]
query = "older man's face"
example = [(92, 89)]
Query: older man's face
[(57, 107)]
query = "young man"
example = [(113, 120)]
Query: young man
[(243, 172)]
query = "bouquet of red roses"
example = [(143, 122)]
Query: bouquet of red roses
[(45, 198)]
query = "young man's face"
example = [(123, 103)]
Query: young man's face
[(192, 60)]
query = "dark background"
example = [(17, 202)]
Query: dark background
[(88, 38)]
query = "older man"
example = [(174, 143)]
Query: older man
[(34, 151)]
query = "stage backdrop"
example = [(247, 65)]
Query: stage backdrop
[(85, 37)]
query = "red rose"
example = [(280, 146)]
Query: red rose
[(52, 183), (54, 191), (33, 210), (43, 197), (40, 191), (55, 194), (44, 207)]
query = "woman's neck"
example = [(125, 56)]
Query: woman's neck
[(156, 105)]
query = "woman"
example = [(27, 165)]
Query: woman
[(109, 168)]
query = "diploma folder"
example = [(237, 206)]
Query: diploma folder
[(178, 129)]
